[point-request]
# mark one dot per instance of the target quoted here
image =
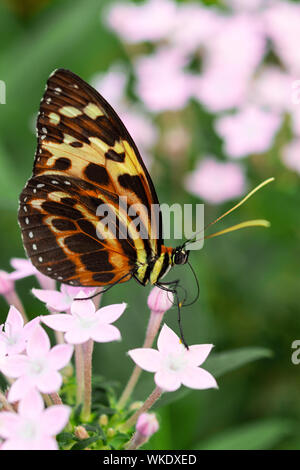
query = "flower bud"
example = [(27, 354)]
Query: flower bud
[(81, 433), (159, 300), (147, 424), (103, 420)]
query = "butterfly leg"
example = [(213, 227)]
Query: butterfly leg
[(172, 287)]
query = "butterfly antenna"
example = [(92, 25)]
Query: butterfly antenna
[(250, 223)]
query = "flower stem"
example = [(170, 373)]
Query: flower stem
[(79, 373), (56, 398), (152, 330), (153, 397), (87, 358)]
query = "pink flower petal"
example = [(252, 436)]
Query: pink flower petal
[(49, 382), (8, 423), (31, 404), (53, 299), (168, 381), (198, 353), (59, 321), (146, 358), (54, 419), (168, 341), (82, 308), (105, 334), (15, 365), (111, 313), (38, 344), (195, 377), (14, 321), (30, 327), (77, 336), (60, 356), (19, 389)]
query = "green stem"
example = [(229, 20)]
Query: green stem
[(153, 397), (79, 364)]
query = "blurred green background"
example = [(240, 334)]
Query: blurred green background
[(249, 280)]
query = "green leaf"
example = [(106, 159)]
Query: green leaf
[(219, 364), (84, 443), (260, 435)]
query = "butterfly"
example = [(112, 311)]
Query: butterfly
[(86, 157)]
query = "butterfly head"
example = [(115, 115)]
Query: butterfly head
[(180, 255)]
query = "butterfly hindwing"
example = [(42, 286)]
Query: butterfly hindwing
[(59, 230)]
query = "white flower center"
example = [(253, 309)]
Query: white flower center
[(176, 362), (37, 366), (28, 430)]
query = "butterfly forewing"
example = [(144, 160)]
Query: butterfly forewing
[(85, 157)]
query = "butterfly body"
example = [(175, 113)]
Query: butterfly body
[(86, 159)]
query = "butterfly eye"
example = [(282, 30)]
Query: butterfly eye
[(180, 257)]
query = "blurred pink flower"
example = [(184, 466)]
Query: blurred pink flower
[(251, 130), (39, 368), (149, 21), (62, 301), (227, 69), (282, 24), (147, 424), (86, 323), (6, 283), (162, 82), (194, 25), (3, 355), (173, 364), (216, 181), (111, 84), (291, 155), (272, 88), (16, 334), (33, 427), (295, 115), (24, 267)]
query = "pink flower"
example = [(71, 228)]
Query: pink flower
[(291, 155), (86, 323), (24, 268), (162, 82), (282, 24), (194, 25), (227, 69), (216, 181), (112, 84), (149, 21), (6, 283), (33, 427), (159, 300), (62, 301), (250, 130), (2, 354), (16, 334), (272, 89), (295, 115), (147, 424), (173, 364), (39, 368)]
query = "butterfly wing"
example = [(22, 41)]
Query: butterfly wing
[(85, 157)]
